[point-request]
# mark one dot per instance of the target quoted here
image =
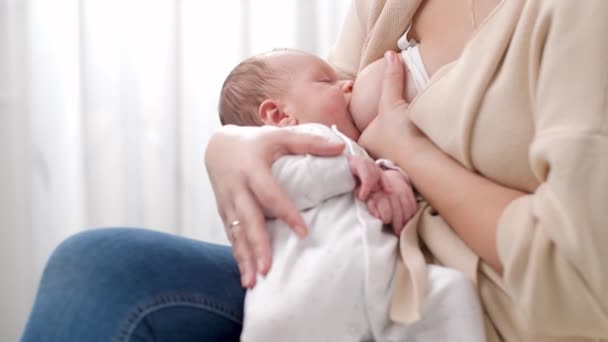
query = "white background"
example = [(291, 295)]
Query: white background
[(105, 110)]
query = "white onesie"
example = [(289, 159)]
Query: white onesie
[(336, 285)]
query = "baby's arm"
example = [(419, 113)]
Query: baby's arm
[(308, 180)]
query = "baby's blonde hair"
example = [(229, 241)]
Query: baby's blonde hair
[(246, 87)]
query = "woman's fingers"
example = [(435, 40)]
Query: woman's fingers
[(243, 257), (235, 231), (290, 142), (387, 127), (392, 84), (269, 193), (256, 235)]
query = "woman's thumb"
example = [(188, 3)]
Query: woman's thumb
[(392, 85)]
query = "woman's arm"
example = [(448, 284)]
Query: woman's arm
[(469, 203), (552, 243), (238, 161)]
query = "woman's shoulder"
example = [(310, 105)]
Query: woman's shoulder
[(385, 21), (370, 28), (571, 10)]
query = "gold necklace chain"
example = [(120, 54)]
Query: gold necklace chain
[(472, 8)]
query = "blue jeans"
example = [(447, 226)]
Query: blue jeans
[(137, 285)]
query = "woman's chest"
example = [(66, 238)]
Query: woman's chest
[(479, 109), (443, 28), (484, 121)]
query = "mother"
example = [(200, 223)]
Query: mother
[(508, 144)]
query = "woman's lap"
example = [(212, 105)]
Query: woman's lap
[(134, 284)]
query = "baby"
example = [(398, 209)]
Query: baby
[(335, 285)]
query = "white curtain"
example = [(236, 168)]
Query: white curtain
[(105, 110)]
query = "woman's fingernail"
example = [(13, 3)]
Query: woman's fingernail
[(244, 280), (303, 232), (261, 264)]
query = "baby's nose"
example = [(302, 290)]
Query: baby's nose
[(347, 86)]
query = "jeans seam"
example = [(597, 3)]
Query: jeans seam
[(170, 300)]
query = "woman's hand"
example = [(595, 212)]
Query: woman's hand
[(455, 192), (392, 122), (238, 160)]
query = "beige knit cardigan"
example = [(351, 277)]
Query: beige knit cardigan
[(526, 106)]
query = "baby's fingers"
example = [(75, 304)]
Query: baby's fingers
[(385, 209), (372, 206), (385, 182), (369, 176), (397, 214)]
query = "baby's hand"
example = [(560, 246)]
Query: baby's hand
[(367, 174), (397, 204)]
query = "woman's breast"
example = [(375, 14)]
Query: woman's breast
[(501, 136), (479, 109), (487, 127)]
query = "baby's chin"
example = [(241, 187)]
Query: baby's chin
[(354, 135), (350, 130), (361, 118)]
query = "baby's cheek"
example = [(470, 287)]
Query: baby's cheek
[(333, 106), (328, 112)]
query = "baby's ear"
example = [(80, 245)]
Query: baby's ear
[(271, 113)]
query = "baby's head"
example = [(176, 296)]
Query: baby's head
[(285, 88)]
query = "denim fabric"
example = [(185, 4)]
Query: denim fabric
[(123, 284)]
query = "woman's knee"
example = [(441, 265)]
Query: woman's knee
[(137, 259), (93, 246), (84, 242), (107, 275), (91, 254)]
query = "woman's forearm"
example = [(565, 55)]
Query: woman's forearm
[(469, 203)]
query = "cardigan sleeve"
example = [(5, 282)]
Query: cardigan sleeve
[(553, 244)]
